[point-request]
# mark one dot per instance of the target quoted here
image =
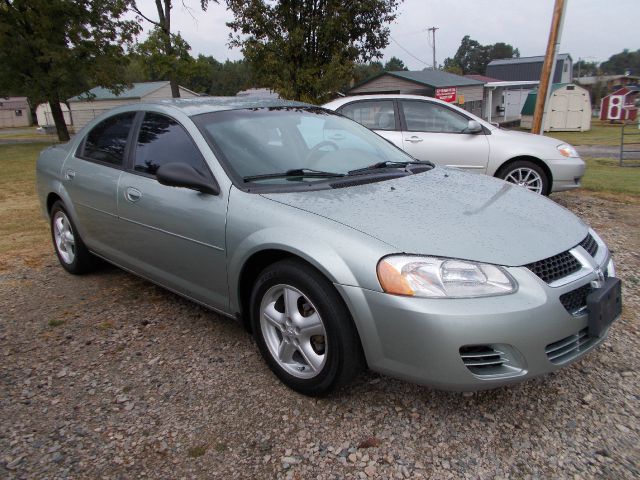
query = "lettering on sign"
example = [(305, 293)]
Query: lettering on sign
[(446, 94)]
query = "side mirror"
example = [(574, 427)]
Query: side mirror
[(473, 127), (183, 175)]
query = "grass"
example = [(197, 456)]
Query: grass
[(25, 133), (21, 224), (197, 451), (601, 133), (605, 175)]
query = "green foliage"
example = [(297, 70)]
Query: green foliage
[(53, 49), (472, 57), (585, 69), (365, 71), (394, 65), (307, 49), (622, 62), (156, 64)]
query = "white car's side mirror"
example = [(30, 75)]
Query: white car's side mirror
[(473, 127)]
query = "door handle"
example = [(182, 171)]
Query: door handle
[(414, 139), (69, 174), (132, 194)]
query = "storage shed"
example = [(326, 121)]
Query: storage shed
[(87, 106), (14, 112), (620, 105), (568, 109), (44, 117), (464, 92)]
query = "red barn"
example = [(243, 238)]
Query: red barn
[(620, 105)]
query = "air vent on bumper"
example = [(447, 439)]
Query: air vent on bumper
[(491, 360), (569, 347)]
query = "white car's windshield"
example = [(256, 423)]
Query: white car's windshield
[(284, 144)]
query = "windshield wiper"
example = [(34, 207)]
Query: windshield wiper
[(389, 164), (296, 172)]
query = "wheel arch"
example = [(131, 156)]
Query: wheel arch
[(252, 267), (51, 199), (528, 158)]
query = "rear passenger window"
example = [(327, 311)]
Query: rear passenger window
[(163, 140), (373, 114), (107, 141)]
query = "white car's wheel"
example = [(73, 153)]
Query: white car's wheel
[(526, 174)]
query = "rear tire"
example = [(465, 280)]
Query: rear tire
[(526, 174), (71, 251), (303, 329)]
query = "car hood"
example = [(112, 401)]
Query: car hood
[(449, 213), (529, 138)]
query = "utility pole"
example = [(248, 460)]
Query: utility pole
[(548, 67), (433, 33)]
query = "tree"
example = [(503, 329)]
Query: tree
[(52, 49), (157, 65), (394, 65), (166, 40), (472, 57), (621, 63), (307, 49)]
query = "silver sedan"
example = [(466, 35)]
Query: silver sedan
[(333, 247), (430, 129)]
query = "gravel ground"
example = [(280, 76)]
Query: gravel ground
[(109, 376)]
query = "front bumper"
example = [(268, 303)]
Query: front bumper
[(566, 173), (424, 340)]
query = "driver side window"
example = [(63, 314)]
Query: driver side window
[(163, 140), (107, 141)]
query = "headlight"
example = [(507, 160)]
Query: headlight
[(442, 277), (567, 150)]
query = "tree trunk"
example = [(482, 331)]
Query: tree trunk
[(58, 118), (175, 91)]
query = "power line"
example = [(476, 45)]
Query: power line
[(408, 52)]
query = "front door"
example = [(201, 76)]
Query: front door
[(436, 133), (175, 236)]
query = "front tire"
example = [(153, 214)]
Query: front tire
[(303, 329), (526, 174), (70, 249)]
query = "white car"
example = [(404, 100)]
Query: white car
[(429, 129)]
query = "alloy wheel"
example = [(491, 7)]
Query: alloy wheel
[(527, 178), (64, 238), (293, 331)]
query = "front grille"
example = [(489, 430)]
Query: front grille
[(590, 245), (570, 347), (564, 264), (553, 268), (576, 300), (483, 359)]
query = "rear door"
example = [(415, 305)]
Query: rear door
[(91, 178), (434, 132), (381, 116), (175, 236)]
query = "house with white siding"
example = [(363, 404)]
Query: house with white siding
[(88, 105), (464, 92)]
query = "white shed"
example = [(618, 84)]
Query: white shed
[(87, 106), (44, 117), (568, 109)]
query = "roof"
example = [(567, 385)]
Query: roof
[(137, 90), (13, 103), (430, 78), (482, 78), (591, 80), (196, 106), (527, 68), (435, 78), (521, 60)]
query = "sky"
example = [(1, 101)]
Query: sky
[(593, 29)]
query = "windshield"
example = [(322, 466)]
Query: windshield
[(265, 145)]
